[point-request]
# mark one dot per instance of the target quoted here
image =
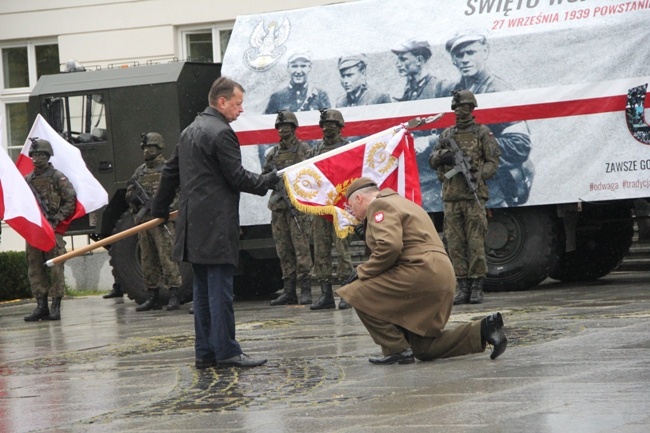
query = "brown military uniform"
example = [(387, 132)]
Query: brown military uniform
[(405, 290)]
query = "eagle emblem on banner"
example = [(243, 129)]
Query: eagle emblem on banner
[(267, 44)]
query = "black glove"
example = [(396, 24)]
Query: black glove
[(160, 212), (353, 277), (271, 179), (447, 158), (360, 230)]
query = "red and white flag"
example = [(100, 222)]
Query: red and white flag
[(18, 206), (318, 185), (67, 159)]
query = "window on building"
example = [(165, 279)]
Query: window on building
[(15, 67), (17, 127), (47, 60), (205, 44), (22, 65)]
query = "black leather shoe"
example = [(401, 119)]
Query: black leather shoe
[(114, 293), (405, 357), (344, 305), (200, 364), (492, 333), (242, 360)]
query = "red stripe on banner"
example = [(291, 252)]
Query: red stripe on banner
[(546, 110)]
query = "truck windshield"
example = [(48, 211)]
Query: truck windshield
[(79, 119)]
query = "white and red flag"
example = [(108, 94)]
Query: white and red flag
[(67, 159), (18, 206), (318, 185)]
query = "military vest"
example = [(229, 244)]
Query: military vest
[(468, 140), (279, 159), (44, 185)]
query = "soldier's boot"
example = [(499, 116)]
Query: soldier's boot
[(55, 309), (305, 291), (344, 305), (463, 291), (288, 296), (41, 312), (173, 303), (326, 299), (116, 292), (476, 296), (153, 303)]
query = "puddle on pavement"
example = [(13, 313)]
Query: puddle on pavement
[(281, 382)]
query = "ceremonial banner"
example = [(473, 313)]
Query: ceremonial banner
[(318, 185), (67, 159), (18, 206)]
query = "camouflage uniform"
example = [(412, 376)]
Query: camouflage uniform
[(465, 223), (58, 198), (323, 231), (290, 228), (158, 267)]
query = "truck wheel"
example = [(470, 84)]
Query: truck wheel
[(125, 260), (603, 238), (521, 247), (257, 278)]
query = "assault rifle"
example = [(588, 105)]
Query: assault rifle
[(41, 203), (142, 199), (462, 165)]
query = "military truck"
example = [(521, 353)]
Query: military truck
[(562, 84), (103, 112), (566, 102)]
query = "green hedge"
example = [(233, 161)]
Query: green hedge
[(13, 276)]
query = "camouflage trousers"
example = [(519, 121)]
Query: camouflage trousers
[(324, 234), (45, 280), (465, 226), (292, 243), (158, 267)]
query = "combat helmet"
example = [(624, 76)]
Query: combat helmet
[(286, 116), (463, 97), (152, 139), (40, 145), (330, 115)]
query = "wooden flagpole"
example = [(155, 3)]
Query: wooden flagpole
[(109, 240)]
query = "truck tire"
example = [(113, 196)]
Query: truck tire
[(521, 247), (257, 278), (125, 260), (603, 238)]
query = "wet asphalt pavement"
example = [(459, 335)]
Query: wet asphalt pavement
[(578, 360)]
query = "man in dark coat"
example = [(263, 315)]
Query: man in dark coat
[(206, 164), (404, 291)]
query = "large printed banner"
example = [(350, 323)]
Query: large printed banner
[(562, 84)]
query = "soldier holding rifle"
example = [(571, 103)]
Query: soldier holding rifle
[(290, 228), (466, 156), (57, 198), (158, 267)]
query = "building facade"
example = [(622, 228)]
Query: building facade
[(39, 37)]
